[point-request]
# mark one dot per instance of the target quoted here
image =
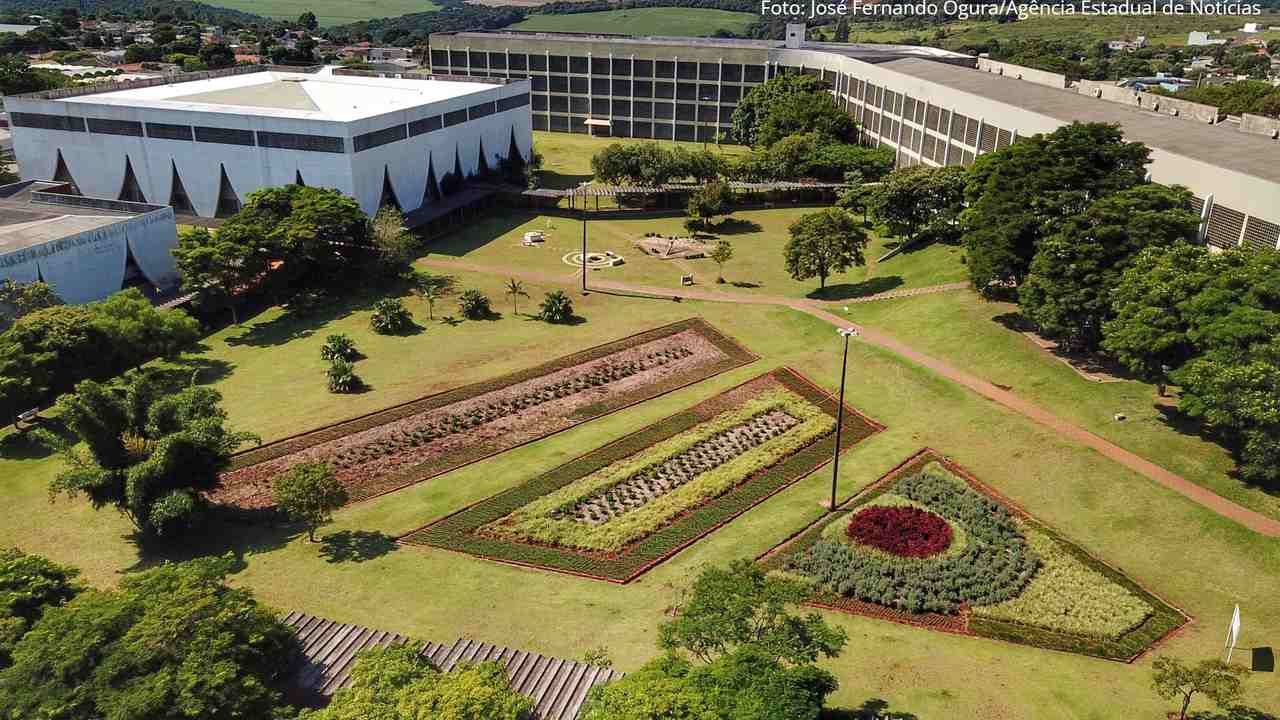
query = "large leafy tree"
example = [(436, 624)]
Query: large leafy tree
[(147, 452), (708, 202), (309, 493), (746, 684), (752, 656), (730, 607), (319, 234), (1214, 320), (919, 199), (1148, 331), (653, 165), (29, 584), (1021, 194), (1067, 292), (174, 643), (397, 683), (788, 105), (18, 299), (48, 351), (1238, 396), (823, 243), (218, 266), (1173, 679)]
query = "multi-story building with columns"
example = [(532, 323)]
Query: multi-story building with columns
[(930, 106)]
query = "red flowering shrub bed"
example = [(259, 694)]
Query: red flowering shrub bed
[(902, 531), (408, 443), (463, 531)]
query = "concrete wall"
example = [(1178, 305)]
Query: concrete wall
[(90, 265), (1150, 101), (1040, 77), (1260, 125), (97, 162)]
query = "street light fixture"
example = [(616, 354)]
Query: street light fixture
[(846, 333)]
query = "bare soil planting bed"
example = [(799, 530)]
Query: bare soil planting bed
[(409, 443), (472, 529)]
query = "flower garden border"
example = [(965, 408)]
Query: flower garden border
[(1166, 619), (456, 531), (737, 356)]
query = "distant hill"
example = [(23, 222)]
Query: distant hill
[(188, 9)]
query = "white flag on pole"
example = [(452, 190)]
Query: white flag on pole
[(1233, 632)]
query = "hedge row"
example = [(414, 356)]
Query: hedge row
[(457, 531), (1164, 620)]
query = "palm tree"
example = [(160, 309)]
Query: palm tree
[(430, 294), (515, 289)]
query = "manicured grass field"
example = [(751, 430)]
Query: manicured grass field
[(272, 377), (687, 22), (757, 267), (332, 12), (566, 157)]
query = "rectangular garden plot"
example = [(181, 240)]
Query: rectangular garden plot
[(930, 545), (619, 510), (408, 443)]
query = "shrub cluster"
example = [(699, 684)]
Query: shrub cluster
[(902, 531), (342, 376), (338, 346), (994, 567), (556, 307), (449, 424), (390, 317), (474, 305)]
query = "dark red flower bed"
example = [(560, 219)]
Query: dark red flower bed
[(903, 531)]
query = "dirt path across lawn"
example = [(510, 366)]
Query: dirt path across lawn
[(1254, 521)]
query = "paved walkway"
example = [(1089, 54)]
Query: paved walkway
[(1253, 520)]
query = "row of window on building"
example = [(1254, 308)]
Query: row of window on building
[(263, 138), (464, 62)]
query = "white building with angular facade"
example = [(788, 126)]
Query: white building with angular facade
[(203, 142)]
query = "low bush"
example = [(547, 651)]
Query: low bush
[(556, 307), (1066, 596), (342, 376), (903, 531), (474, 305), (338, 346), (390, 317)]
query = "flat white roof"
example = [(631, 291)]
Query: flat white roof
[(292, 95)]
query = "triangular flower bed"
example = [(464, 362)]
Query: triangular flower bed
[(930, 545), (621, 509)]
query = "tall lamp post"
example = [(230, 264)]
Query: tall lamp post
[(584, 243), (846, 333)]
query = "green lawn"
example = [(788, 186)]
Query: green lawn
[(757, 268), (331, 12), (686, 22), (271, 375), (964, 330)]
